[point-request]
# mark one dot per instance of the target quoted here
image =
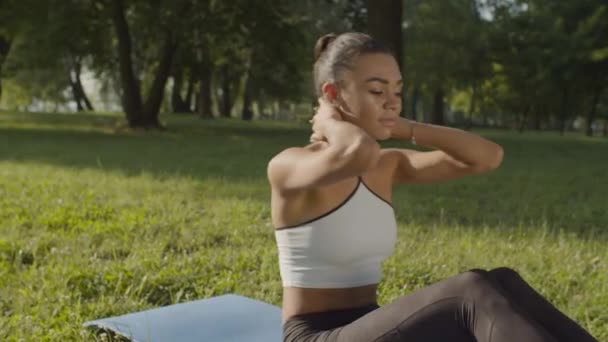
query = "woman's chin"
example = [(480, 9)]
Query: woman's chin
[(383, 134)]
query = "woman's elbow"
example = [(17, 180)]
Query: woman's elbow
[(496, 157), (491, 160)]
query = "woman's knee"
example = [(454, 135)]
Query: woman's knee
[(478, 282), (474, 278), (504, 274), (484, 291)]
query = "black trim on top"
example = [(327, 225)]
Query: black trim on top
[(375, 194), (327, 213)]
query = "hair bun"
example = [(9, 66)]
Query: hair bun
[(323, 43)]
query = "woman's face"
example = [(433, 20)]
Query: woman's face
[(371, 92)]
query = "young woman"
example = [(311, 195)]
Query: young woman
[(331, 206)]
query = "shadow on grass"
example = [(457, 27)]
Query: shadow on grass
[(216, 150), (545, 181)]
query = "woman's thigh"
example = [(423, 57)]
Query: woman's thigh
[(434, 313), (466, 307)]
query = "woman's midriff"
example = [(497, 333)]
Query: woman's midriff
[(298, 301)]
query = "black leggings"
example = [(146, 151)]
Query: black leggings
[(477, 305)]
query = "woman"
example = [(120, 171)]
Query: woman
[(331, 206)]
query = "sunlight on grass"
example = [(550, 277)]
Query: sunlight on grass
[(95, 222)]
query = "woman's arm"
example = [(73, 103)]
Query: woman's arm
[(457, 153), (341, 150)]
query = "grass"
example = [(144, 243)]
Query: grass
[(97, 222)]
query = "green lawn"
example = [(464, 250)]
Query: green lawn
[(97, 222)]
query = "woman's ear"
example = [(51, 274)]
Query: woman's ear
[(330, 92)]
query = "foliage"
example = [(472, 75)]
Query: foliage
[(505, 61)]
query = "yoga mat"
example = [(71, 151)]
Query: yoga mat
[(224, 318)]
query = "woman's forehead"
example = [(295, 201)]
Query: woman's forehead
[(380, 68)]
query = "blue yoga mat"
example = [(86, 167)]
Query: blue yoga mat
[(219, 319)]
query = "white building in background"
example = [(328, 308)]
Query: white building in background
[(103, 100)]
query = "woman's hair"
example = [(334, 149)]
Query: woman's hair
[(336, 53)]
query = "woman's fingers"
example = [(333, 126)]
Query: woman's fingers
[(315, 137)]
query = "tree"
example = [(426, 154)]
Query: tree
[(591, 33), (439, 50), (264, 76), (144, 113), (548, 53), (5, 47), (6, 34), (384, 22), (55, 51)]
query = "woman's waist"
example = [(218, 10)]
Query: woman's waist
[(301, 301)]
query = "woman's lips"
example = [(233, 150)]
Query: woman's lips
[(389, 122)]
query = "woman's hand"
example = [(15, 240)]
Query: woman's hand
[(326, 112), (404, 129)]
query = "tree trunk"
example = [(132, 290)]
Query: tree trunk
[(262, 105), (177, 104), (563, 117), (204, 92), (537, 124), (156, 93), (215, 93), (5, 47), (384, 22), (189, 92), (77, 99), (438, 107), (274, 110), (181, 104), (415, 95), (247, 113), (75, 93), (131, 95), (83, 95), (524, 120), (226, 100), (472, 106), (80, 97), (537, 118), (591, 114)]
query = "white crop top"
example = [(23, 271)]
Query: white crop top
[(342, 248)]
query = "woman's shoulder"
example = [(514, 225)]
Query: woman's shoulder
[(300, 151)]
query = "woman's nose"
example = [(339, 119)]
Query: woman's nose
[(393, 102)]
